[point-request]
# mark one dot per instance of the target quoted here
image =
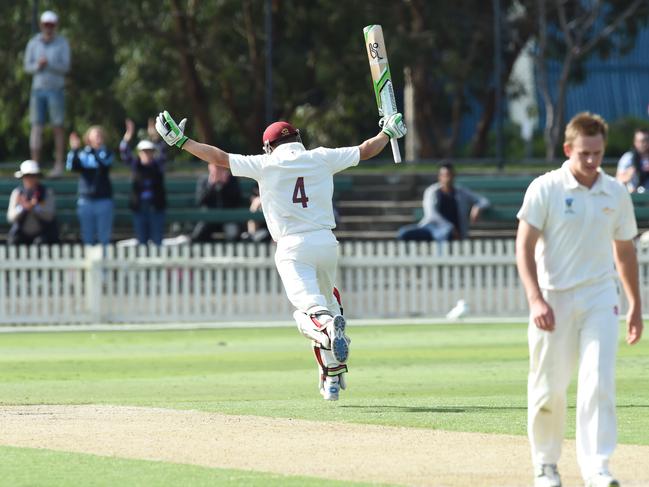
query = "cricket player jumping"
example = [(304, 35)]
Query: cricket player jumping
[(296, 190), (576, 227)]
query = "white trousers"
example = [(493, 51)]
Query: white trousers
[(586, 330), (307, 264)]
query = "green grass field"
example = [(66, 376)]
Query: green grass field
[(452, 377)]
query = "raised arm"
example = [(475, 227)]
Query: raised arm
[(626, 262), (372, 147), (392, 127)]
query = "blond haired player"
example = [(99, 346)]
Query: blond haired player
[(296, 188), (576, 227)]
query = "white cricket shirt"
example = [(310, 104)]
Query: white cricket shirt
[(296, 185), (578, 226)]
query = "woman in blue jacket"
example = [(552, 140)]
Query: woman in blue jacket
[(95, 204)]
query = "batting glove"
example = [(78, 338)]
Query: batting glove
[(169, 130), (393, 126)]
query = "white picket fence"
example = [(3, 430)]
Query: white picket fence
[(238, 282)]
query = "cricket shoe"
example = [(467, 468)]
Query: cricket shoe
[(602, 479), (546, 475), (339, 341), (331, 388)]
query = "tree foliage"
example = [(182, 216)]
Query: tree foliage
[(206, 61)]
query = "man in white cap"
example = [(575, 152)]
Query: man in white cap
[(31, 209), (47, 58)]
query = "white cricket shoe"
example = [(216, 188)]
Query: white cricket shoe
[(339, 341), (330, 388), (602, 479), (546, 475)]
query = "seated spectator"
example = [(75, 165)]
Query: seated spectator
[(31, 209), (95, 204), (217, 189), (633, 167), (148, 199), (448, 209), (256, 231)]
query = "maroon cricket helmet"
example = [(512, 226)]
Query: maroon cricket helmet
[(277, 131)]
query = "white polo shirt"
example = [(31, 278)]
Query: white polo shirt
[(296, 185), (578, 226)]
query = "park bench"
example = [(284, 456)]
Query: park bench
[(506, 196), (182, 212)]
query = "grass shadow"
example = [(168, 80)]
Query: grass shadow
[(441, 409)]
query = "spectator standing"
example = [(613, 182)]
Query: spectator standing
[(448, 210), (148, 199), (31, 209), (633, 167), (214, 190), (47, 58), (95, 204)]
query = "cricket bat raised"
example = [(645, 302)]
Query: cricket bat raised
[(381, 77)]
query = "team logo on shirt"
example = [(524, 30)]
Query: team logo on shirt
[(569, 202), (608, 211)]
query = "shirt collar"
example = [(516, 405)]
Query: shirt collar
[(570, 182), (291, 146)]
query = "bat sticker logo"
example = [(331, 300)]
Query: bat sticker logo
[(374, 50)]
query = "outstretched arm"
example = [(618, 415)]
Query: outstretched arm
[(208, 153), (173, 134)]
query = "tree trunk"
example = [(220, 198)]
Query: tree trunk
[(481, 133), (409, 110), (255, 122), (423, 115), (559, 114), (194, 89)]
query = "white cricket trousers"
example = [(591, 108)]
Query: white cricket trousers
[(586, 330), (307, 263)]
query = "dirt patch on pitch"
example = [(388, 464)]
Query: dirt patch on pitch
[(343, 451)]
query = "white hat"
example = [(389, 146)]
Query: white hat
[(145, 145), (49, 17), (28, 167)]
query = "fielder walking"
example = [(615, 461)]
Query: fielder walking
[(296, 189), (576, 227)]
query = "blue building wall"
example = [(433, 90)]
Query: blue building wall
[(615, 88)]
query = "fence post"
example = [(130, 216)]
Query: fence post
[(93, 281)]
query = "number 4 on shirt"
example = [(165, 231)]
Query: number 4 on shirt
[(299, 194)]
